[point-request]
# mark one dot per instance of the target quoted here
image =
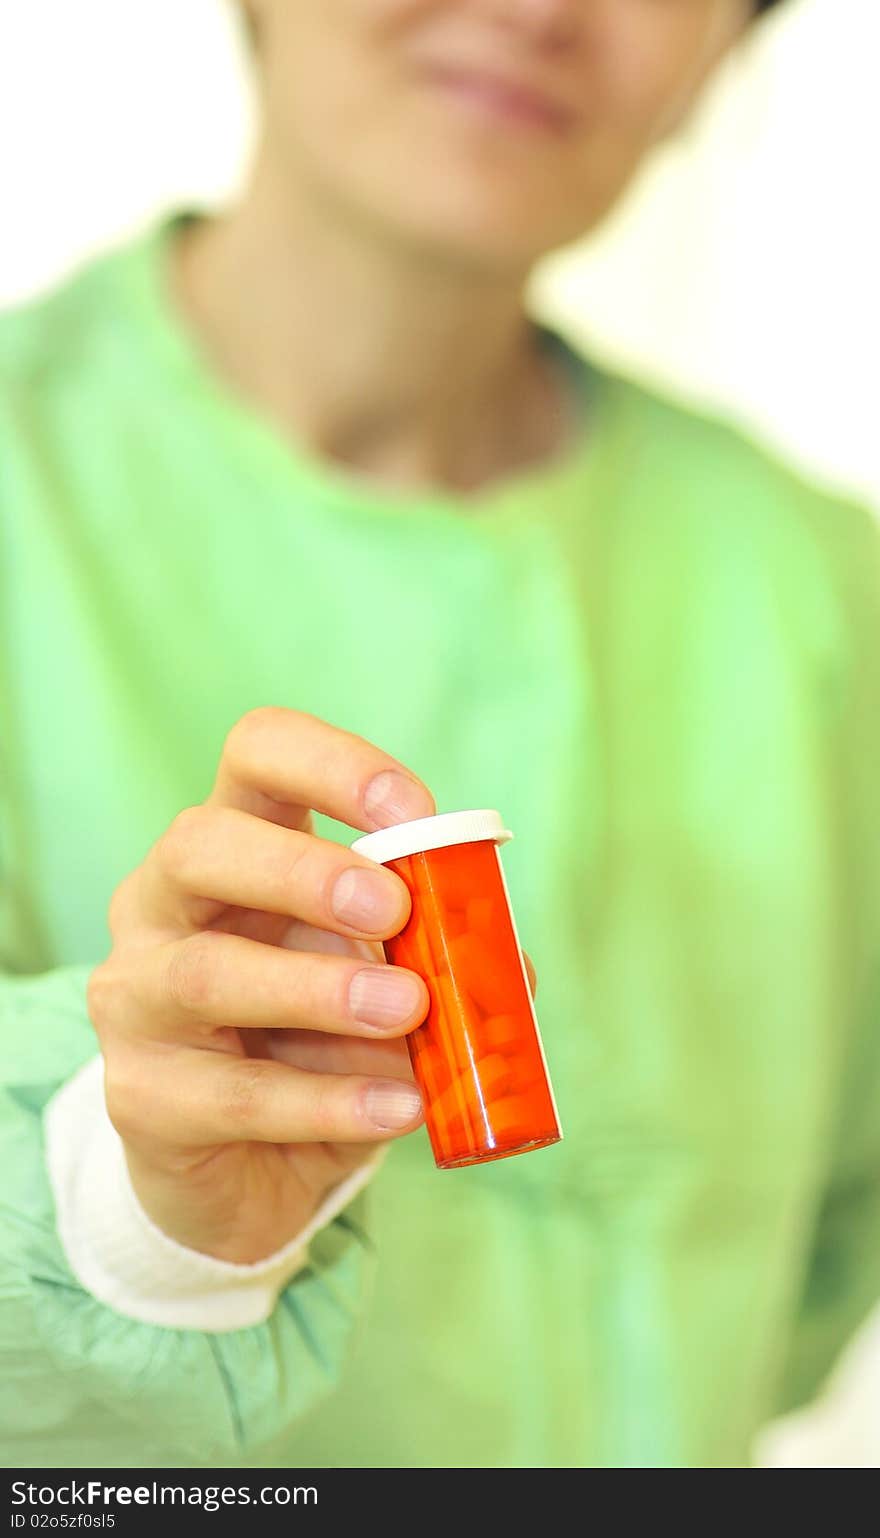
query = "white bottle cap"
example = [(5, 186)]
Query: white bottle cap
[(431, 833)]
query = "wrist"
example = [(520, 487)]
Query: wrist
[(123, 1258), (200, 1205)]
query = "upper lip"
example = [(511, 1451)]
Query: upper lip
[(529, 95)]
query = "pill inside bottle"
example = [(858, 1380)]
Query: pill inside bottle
[(478, 1059)]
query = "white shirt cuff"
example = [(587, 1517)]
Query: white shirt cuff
[(119, 1255)]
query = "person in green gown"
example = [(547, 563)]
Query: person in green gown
[(306, 528)]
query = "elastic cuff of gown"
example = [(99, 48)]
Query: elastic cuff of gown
[(119, 1255)]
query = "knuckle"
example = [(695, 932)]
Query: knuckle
[(177, 847), (247, 738), (323, 1112), (191, 974), (125, 1097), (119, 908), (260, 735), (115, 998), (244, 1093), (289, 865), (102, 990)]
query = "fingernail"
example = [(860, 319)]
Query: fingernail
[(393, 797), (383, 996), (365, 899), (391, 1105)]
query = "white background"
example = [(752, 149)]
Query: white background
[(744, 269)]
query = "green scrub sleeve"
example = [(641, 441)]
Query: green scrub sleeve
[(71, 1366)]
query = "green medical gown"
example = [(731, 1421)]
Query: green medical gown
[(659, 657)]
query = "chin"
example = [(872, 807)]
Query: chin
[(489, 226)]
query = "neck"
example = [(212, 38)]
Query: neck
[(402, 366)]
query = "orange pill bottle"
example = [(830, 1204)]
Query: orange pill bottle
[(478, 1058)]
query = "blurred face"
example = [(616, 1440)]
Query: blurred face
[(485, 131)]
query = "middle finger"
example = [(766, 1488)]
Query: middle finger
[(218, 979)]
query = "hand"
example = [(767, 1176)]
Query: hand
[(251, 1029)]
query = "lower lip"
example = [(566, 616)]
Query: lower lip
[(502, 103)]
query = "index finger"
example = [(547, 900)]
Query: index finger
[(280, 764)]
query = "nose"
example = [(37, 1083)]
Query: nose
[(555, 23)]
